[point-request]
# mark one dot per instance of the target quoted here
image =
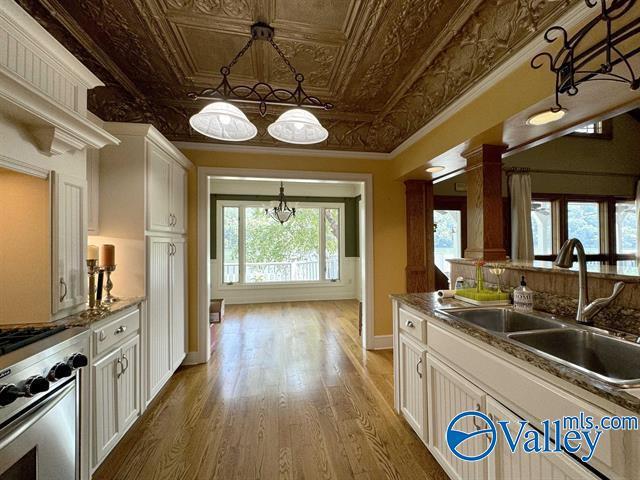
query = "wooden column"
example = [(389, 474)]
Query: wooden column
[(485, 231), (420, 267)]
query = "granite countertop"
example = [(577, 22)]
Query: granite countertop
[(429, 304), (83, 319)]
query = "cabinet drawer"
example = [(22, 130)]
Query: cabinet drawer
[(109, 335), (413, 325)]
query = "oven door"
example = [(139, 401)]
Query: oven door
[(41, 442)]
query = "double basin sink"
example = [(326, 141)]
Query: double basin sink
[(610, 359)]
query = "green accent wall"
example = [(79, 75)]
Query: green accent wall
[(351, 220)]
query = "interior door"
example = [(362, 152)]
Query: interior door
[(158, 357), (178, 303), (158, 189), (69, 239)]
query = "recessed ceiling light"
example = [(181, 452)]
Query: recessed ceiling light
[(548, 116), (435, 169)]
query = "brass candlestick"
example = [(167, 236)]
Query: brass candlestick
[(107, 269), (92, 269)]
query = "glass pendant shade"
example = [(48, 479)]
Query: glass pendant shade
[(223, 121), (298, 126), (281, 215)]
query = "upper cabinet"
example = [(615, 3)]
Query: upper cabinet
[(69, 242), (166, 192)]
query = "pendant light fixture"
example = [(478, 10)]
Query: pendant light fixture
[(223, 121), (282, 213)]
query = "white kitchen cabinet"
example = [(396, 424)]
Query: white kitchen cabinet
[(519, 465), (448, 395), (129, 384), (167, 188), (93, 191), (158, 328), (178, 261), (105, 395), (69, 242), (413, 385)]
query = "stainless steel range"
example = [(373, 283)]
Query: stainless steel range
[(40, 376)]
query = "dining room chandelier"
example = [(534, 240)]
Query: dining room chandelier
[(223, 121), (281, 213)]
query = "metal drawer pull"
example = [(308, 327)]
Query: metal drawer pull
[(102, 336), (120, 329), (418, 368), (62, 282), (409, 324)]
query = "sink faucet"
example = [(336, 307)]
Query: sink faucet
[(586, 310)]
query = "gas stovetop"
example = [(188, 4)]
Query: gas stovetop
[(15, 338)]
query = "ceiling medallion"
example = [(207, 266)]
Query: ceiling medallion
[(223, 121), (576, 64), (282, 213)]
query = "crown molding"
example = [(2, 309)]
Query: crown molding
[(301, 152)]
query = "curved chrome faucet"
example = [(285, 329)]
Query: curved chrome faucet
[(586, 310)]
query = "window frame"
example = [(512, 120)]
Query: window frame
[(606, 132), (242, 284), (560, 227)]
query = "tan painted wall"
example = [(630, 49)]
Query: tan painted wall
[(389, 241), (25, 252)]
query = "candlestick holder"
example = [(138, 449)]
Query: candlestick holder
[(108, 299), (92, 269)]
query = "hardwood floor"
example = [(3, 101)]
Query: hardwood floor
[(287, 394)]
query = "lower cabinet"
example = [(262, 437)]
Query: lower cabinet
[(450, 394), (519, 465), (115, 394), (413, 384)]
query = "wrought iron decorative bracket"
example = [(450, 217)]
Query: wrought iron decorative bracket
[(261, 93), (574, 65)]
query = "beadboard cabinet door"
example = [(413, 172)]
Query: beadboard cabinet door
[(178, 260), (413, 385), (159, 173), (179, 198), (129, 384), (450, 394), (105, 393), (519, 465), (69, 242)]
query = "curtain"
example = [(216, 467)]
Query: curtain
[(521, 232), (638, 221)]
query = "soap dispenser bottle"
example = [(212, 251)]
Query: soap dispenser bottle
[(523, 297)]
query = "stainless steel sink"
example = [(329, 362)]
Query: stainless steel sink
[(613, 360), (503, 320)]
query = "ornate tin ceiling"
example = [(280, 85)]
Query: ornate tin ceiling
[(389, 66)]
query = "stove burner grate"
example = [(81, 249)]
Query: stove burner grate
[(15, 338)]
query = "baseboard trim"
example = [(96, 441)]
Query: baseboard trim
[(383, 342), (193, 358)]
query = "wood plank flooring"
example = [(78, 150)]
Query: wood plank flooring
[(288, 394)]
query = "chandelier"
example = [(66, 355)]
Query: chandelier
[(223, 121), (575, 63), (282, 213)]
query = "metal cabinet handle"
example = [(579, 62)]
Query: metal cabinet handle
[(102, 336), (409, 324), (119, 363), (418, 368), (478, 408), (120, 329), (126, 366), (62, 283)]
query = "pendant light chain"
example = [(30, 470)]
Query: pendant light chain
[(284, 58), (238, 55)]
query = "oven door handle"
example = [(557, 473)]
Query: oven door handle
[(13, 431)]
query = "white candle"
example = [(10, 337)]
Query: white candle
[(92, 252)]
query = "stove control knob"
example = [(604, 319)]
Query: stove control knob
[(77, 360), (8, 393), (58, 371), (34, 385)]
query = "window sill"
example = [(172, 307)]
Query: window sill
[(251, 286)]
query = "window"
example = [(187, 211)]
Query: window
[(590, 129), (626, 228), (256, 249), (447, 238), (542, 227), (602, 130), (583, 222)]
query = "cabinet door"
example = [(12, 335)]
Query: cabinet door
[(179, 198), (158, 346), (69, 221), (159, 166), (450, 394), (178, 302), (413, 381), (93, 190), (105, 401), (505, 465), (129, 384)]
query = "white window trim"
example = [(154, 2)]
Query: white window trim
[(242, 285)]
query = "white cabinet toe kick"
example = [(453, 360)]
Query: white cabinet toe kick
[(439, 373)]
